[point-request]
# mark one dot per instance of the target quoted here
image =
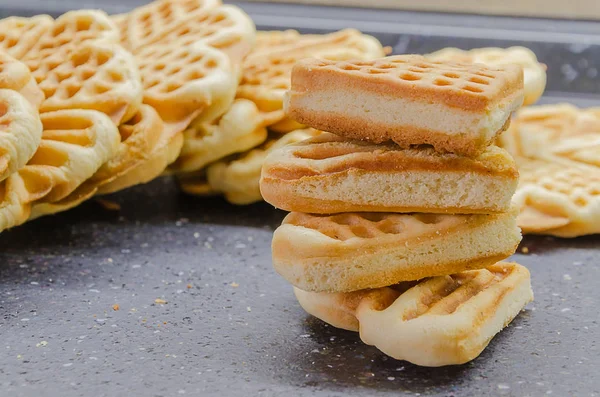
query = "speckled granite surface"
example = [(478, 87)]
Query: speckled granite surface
[(230, 326), (201, 312)]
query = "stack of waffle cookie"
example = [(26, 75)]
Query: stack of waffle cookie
[(400, 214)]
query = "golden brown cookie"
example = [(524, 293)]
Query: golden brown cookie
[(330, 174), (458, 108)]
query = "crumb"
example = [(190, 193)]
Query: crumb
[(234, 284), (109, 205), (387, 50), (160, 301), (525, 250), (116, 307), (189, 286)]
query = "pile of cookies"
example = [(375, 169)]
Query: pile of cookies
[(100, 103), (401, 212), (557, 149)]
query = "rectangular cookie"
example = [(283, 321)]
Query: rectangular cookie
[(354, 251), (330, 174), (444, 320), (454, 107)]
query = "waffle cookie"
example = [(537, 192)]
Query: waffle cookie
[(444, 320), (238, 177), (20, 126), (164, 153), (330, 174), (240, 129), (78, 63), (18, 35), (534, 73), (75, 143), (189, 53), (353, 251), (20, 132), (267, 69), (558, 199), (560, 133), (467, 105), (14, 75), (149, 23)]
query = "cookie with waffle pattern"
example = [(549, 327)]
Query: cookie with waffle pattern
[(267, 69), (75, 144), (164, 153), (437, 321), (237, 176), (18, 35), (78, 64), (331, 174), (534, 72), (147, 24), (559, 132), (354, 251), (558, 199), (240, 129), (14, 75), (467, 105), (189, 54), (20, 126)]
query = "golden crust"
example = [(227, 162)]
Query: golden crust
[(470, 105), (472, 87), (405, 135), (534, 73)]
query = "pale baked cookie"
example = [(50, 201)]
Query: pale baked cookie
[(240, 129), (267, 70), (353, 251), (75, 143), (265, 77), (534, 72), (14, 75), (140, 136), (20, 126), (331, 174), (444, 320), (19, 34), (557, 148), (237, 178), (78, 63), (148, 24), (190, 54), (559, 133), (458, 108), (165, 152), (558, 199)]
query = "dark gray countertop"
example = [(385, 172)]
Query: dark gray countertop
[(230, 325)]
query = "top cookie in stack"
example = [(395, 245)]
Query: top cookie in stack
[(457, 108)]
